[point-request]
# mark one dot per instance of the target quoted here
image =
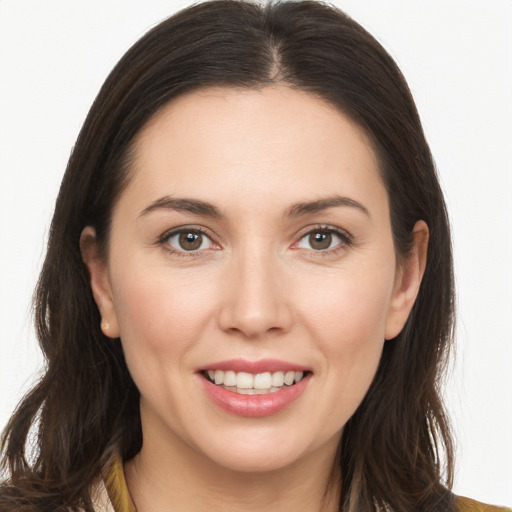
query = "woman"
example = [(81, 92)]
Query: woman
[(216, 339)]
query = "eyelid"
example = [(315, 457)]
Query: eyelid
[(347, 239), (166, 235)]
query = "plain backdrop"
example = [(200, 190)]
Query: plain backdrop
[(457, 58)]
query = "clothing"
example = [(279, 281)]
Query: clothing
[(468, 505), (113, 495)]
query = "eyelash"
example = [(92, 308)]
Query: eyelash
[(164, 241), (346, 240)]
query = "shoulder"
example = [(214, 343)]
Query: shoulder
[(469, 505)]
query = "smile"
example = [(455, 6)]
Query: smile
[(254, 389), (253, 384)]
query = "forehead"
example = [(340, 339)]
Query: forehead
[(219, 141)]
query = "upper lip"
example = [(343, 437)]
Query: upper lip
[(260, 366)]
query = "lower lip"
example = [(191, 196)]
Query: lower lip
[(254, 406)]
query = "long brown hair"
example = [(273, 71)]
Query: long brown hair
[(85, 406)]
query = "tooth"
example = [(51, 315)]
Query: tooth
[(219, 377), (230, 378), (289, 378), (277, 379), (244, 380), (249, 391), (263, 381)]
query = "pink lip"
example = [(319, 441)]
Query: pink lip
[(261, 366), (255, 406)]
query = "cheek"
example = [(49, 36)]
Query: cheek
[(348, 310), (347, 318), (161, 311)]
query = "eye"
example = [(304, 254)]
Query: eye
[(324, 239), (188, 240)]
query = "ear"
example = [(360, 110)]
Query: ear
[(100, 282), (407, 282)]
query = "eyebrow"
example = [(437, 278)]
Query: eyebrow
[(206, 209), (185, 205), (319, 205)]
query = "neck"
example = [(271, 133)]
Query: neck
[(173, 476)]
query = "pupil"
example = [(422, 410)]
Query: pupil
[(190, 241), (320, 241)]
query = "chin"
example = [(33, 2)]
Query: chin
[(264, 451), (255, 461)]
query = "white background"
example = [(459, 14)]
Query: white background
[(457, 57)]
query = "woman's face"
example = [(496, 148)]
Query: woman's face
[(252, 245)]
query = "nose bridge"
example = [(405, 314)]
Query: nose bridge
[(254, 301)]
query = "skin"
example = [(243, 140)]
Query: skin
[(257, 288)]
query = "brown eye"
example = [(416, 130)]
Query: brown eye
[(320, 240), (324, 240), (188, 240)]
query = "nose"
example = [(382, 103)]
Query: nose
[(255, 299)]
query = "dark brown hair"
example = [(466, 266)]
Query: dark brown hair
[(85, 406)]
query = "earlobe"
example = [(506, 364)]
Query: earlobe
[(408, 281), (99, 281)]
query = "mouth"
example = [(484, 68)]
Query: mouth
[(245, 383), (254, 389)]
